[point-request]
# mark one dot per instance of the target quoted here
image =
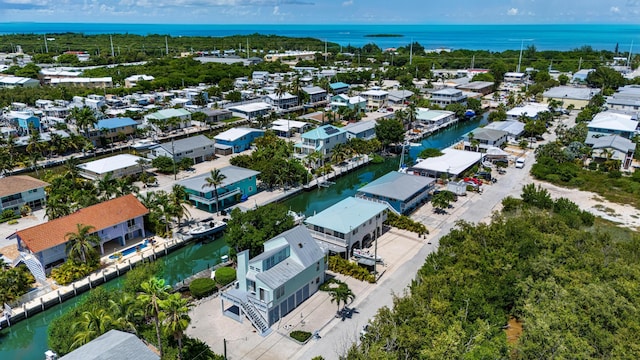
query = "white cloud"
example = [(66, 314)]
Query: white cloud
[(512, 12), (347, 3), (276, 10), (615, 9)]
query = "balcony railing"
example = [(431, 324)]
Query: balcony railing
[(328, 238), (12, 203), (221, 196)]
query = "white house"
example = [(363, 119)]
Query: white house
[(531, 111), (118, 166), (199, 148), (282, 101), (322, 139), (376, 98), (447, 96), (612, 123), (272, 284)]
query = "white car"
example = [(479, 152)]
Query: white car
[(519, 163)]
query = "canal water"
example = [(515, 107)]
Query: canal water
[(27, 340)]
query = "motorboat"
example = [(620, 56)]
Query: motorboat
[(143, 144), (207, 229), (365, 254), (298, 218)]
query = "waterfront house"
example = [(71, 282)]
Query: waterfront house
[(452, 162), (118, 166), (530, 111), (354, 102), (251, 110), (118, 220), (216, 115), (447, 96), (339, 88), (114, 345), (282, 101), (432, 119), (19, 190), (486, 138), (238, 184), (169, 119), (514, 128), (376, 98), (236, 140), (274, 283), (350, 224), (579, 97), (317, 95), (365, 130), (112, 129), (481, 87), (612, 123), (286, 127), (403, 192), (199, 148), (322, 139)]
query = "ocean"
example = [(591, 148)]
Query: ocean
[(472, 37)]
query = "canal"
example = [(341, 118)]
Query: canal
[(27, 340)]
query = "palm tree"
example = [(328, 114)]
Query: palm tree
[(178, 200), (214, 180), (81, 243), (124, 312), (56, 207), (91, 325), (107, 187), (341, 295), (153, 292), (176, 319), (84, 118)]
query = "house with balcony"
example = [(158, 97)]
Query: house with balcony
[(251, 110), (352, 102), (274, 283), (376, 98), (169, 119), (19, 190), (352, 223), (403, 192), (236, 140), (317, 95), (365, 130), (626, 98), (198, 148), (485, 138), (339, 88), (432, 119), (322, 139), (284, 101), (112, 129), (118, 220), (447, 96), (613, 147), (24, 121), (217, 115), (286, 128), (612, 123), (238, 184)]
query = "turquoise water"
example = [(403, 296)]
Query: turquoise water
[(473, 37)]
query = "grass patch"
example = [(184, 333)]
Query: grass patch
[(300, 336)]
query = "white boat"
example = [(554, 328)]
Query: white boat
[(143, 144), (365, 254), (298, 218), (207, 229)]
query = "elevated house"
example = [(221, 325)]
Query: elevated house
[(376, 98), (274, 283), (238, 184), (169, 119), (112, 129), (236, 140), (284, 101), (399, 97), (118, 166), (114, 345), (435, 118), (322, 139), (626, 99), (447, 96), (354, 102), (486, 138), (199, 148), (118, 220), (365, 130), (19, 190), (514, 128), (317, 95), (250, 111), (481, 87), (350, 224), (613, 147), (403, 192), (24, 121), (339, 88), (612, 123), (286, 127)]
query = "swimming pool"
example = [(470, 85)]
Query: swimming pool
[(131, 250)]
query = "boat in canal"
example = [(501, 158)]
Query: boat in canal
[(143, 144), (206, 229)]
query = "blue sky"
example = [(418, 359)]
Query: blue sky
[(323, 11)]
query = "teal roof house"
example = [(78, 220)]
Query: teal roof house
[(162, 120), (322, 139), (403, 192), (238, 184), (351, 223), (272, 284)]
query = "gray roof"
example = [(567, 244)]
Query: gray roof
[(232, 175), (515, 128), (570, 92), (359, 127), (186, 144), (304, 252), (113, 345), (397, 185), (476, 85), (611, 141), (400, 94), (313, 90), (488, 134), (213, 112)]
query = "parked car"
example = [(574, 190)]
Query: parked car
[(484, 175), (473, 181), (519, 163)]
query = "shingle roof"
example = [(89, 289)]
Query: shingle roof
[(100, 216), (113, 345), (397, 185), (18, 183)]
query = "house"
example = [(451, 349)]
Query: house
[(113, 129), (322, 139), (613, 147), (291, 56), (482, 87), (118, 166), (365, 130), (579, 97), (352, 223), (399, 97), (627, 99), (317, 95), (251, 110), (274, 283), (17, 81), (353, 102), (286, 127), (530, 111), (339, 88), (376, 98), (101, 82), (447, 96), (132, 80), (199, 148), (514, 128), (217, 115), (19, 190), (118, 219), (611, 123), (435, 118), (486, 138), (403, 192), (113, 345), (282, 101), (514, 77), (452, 162), (24, 120), (169, 119), (236, 140), (238, 183)]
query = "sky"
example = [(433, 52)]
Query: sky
[(323, 11)]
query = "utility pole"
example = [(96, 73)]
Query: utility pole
[(173, 157), (520, 58), (166, 45), (46, 47), (411, 53), (111, 41)]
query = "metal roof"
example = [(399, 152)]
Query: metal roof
[(115, 123), (185, 144), (112, 163), (322, 132), (234, 134), (397, 185), (232, 174), (346, 215), (487, 134), (113, 345)]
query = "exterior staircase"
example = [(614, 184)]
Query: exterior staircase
[(256, 318)]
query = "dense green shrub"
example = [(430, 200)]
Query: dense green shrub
[(14, 282), (71, 271), (339, 265), (300, 335), (201, 288), (225, 275), (405, 223), (327, 285)]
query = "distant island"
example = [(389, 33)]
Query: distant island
[(383, 35)]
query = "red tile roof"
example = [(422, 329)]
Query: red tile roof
[(19, 183), (100, 216)]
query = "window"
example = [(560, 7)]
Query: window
[(355, 231), (250, 188), (131, 222), (279, 292), (318, 266)]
